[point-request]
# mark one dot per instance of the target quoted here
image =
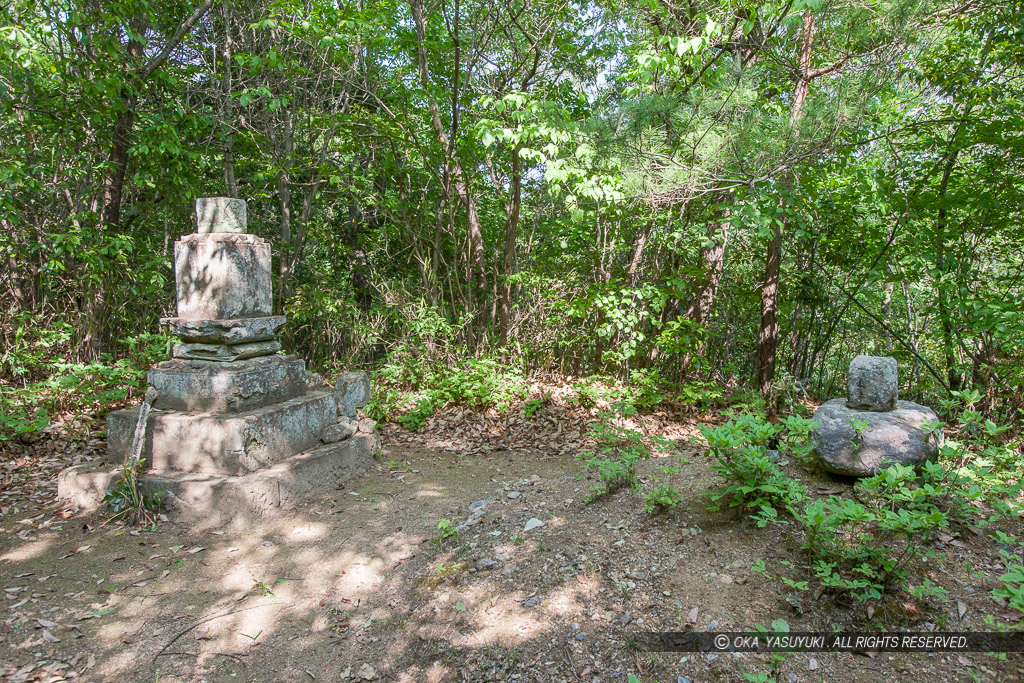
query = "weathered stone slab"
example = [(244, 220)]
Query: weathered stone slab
[(220, 214), (353, 392), (889, 438), (222, 276), (227, 443), (231, 503), (236, 331), (873, 383), (200, 386), (222, 353), (337, 432)]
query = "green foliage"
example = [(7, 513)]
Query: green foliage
[(862, 546), (753, 478), (702, 395), (661, 499), (619, 451), (446, 530), (126, 500), (410, 391), (65, 386)]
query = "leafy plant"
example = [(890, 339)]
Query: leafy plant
[(128, 502), (661, 499), (620, 449), (753, 478)]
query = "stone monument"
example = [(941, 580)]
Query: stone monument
[(237, 431), (890, 430)]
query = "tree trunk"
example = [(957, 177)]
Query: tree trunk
[(230, 183), (509, 260), (768, 339)]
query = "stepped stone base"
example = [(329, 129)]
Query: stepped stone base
[(197, 386), (229, 443), (232, 503)]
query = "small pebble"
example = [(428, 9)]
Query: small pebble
[(531, 602), (514, 494), (580, 636)]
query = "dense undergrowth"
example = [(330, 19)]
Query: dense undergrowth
[(875, 542), (42, 386)]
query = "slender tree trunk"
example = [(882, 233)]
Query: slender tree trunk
[(230, 183), (284, 201), (768, 339), (713, 261), (509, 260), (463, 187)]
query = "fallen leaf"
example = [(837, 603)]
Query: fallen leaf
[(49, 637), (961, 608), (200, 634), (691, 616)]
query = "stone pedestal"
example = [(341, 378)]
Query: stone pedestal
[(222, 276), (235, 431)]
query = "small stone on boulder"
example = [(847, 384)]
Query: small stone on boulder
[(873, 383), (889, 438), (366, 425), (353, 392)]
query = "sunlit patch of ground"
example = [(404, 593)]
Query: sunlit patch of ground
[(362, 587)]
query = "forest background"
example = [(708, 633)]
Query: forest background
[(682, 202)]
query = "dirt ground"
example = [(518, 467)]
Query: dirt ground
[(362, 587)]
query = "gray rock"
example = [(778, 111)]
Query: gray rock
[(223, 353), (201, 386), (353, 390), (873, 383), (514, 494), (366, 425), (220, 214), (348, 424), (335, 433), (889, 438), (531, 602), (236, 331), (220, 276)]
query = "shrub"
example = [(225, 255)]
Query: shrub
[(619, 451), (753, 478)]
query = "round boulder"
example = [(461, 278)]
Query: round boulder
[(889, 438)]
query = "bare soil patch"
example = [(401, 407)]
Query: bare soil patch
[(360, 586)]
